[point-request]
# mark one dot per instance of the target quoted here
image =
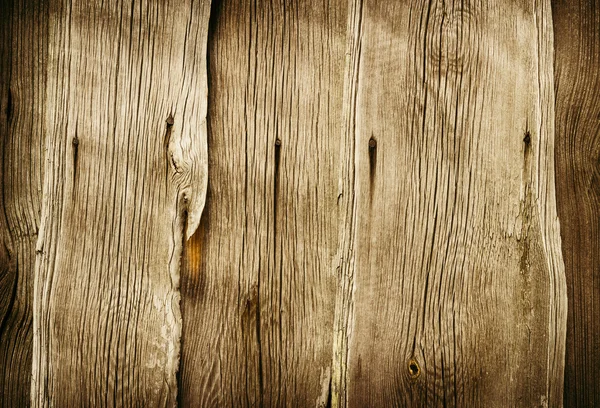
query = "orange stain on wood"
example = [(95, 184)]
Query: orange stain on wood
[(193, 248)]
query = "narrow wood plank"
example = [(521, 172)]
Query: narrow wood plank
[(258, 295), (124, 185), (577, 73), (454, 291), (23, 44)]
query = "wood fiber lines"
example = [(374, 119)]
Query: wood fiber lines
[(455, 283), (124, 185), (577, 72), (23, 50), (380, 227), (259, 289)]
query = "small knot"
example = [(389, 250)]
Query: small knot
[(277, 142), (170, 120), (372, 143), (527, 138), (75, 141), (413, 369)]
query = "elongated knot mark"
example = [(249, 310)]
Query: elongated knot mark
[(372, 160)]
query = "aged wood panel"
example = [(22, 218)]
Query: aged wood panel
[(453, 290), (124, 186), (259, 291), (577, 73), (23, 41)]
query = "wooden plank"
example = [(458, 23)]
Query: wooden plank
[(454, 291), (23, 43), (259, 290), (577, 73), (124, 185)]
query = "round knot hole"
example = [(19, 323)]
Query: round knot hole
[(413, 368)]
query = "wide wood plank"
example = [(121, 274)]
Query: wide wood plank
[(23, 45), (259, 290), (577, 73), (124, 186), (453, 289)]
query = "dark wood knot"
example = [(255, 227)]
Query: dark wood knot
[(413, 369)]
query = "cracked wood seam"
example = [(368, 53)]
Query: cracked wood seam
[(124, 186)]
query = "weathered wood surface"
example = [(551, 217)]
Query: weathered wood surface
[(259, 290), (23, 48), (454, 285), (124, 184), (577, 72), (381, 224)]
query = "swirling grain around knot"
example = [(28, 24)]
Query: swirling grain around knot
[(450, 47)]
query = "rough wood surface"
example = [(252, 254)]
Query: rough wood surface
[(453, 289), (124, 185), (381, 225), (577, 73), (259, 291), (23, 44)]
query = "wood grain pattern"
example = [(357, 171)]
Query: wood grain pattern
[(124, 186), (453, 290), (23, 44), (381, 224), (577, 72), (259, 291)]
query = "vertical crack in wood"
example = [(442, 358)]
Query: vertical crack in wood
[(324, 400), (372, 165), (8, 110), (189, 226), (75, 146)]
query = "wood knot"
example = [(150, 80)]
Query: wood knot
[(527, 138), (413, 369), (372, 143), (450, 47), (170, 120)]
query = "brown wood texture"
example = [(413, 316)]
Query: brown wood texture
[(124, 186), (454, 285), (23, 45), (259, 290), (577, 72), (381, 220)]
